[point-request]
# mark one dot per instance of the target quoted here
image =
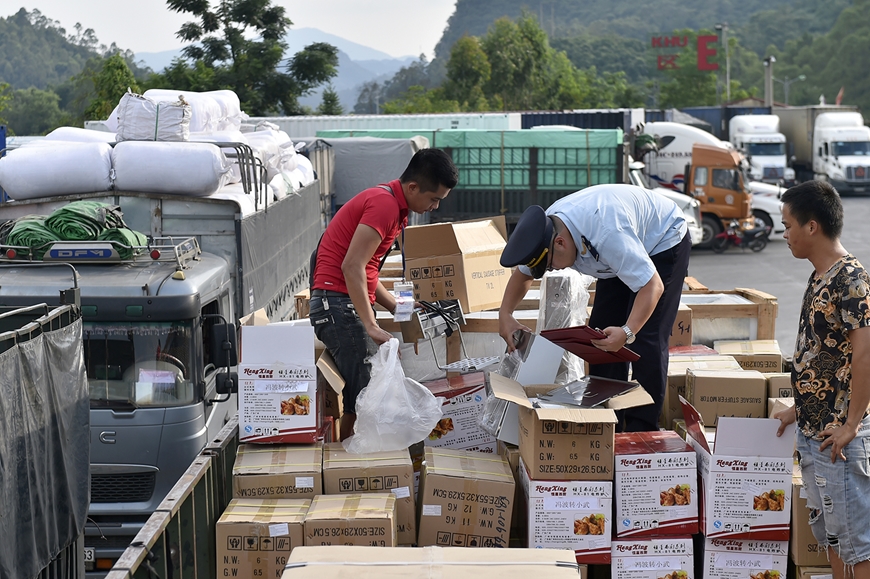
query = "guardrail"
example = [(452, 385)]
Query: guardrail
[(178, 540)]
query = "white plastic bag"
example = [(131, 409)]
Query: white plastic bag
[(392, 412)]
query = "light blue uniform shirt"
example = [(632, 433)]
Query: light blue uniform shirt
[(625, 225)]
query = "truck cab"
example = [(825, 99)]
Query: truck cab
[(715, 178), (690, 206), (763, 146), (841, 145)]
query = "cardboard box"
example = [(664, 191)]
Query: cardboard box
[(352, 519), (746, 478), (254, 537), (434, 562), (280, 471), (743, 558), (374, 472), (779, 385), (819, 572), (331, 383), (805, 550), (576, 515), (458, 261), (653, 558), (566, 443), (465, 500), (775, 405), (464, 397), (718, 393), (677, 366), (681, 332), (511, 453), (278, 385), (655, 485), (761, 355)]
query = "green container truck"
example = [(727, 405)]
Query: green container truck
[(503, 172)]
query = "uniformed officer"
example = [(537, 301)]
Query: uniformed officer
[(636, 242)]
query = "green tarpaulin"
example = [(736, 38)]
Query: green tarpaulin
[(30, 231), (84, 220), (132, 241)]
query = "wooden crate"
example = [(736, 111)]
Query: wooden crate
[(763, 308)]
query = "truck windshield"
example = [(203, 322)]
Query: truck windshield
[(133, 365), (841, 148), (726, 179), (766, 149)]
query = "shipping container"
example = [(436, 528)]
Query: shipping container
[(624, 119), (720, 117)]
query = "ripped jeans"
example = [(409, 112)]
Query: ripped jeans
[(838, 495)]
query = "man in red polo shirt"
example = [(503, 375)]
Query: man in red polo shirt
[(348, 260)]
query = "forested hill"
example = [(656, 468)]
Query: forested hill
[(34, 52), (758, 23)]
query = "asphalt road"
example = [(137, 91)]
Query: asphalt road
[(775, 271)]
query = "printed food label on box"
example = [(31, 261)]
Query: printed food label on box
[(277, 403), (458, 428), (748, 493), (653, 559), (744, 559)]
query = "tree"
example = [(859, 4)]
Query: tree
[(33, 112), (241, 47), (330, 105), (5, 97), (468, 72), (110, 84), (368, 102), (419, 100)]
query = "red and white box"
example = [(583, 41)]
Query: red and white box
[(458, 429), (744, 559), (656, 485), (573, 515), (745, 478), (278, 385), (664, 558)]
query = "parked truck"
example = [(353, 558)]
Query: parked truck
[(695, 162), (155, 326), (830, 143), (763, 146)]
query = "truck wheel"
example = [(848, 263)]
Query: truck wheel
[(762, 219), (711, 226)]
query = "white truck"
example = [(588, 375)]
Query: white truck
[(763, 146), (153, 329), (830, 143)]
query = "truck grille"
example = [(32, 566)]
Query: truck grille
[(858, 173), (122, 488), (773, 173)]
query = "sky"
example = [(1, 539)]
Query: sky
[(396, 27)]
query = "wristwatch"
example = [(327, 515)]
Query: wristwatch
[(629, 335)]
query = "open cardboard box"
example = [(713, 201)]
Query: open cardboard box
[(578, 441), (745, 477)]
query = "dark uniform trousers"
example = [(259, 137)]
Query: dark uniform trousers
[(613, 302)]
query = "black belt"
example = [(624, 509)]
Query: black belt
[(319, 293)]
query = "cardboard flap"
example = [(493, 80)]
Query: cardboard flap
[(265, 510), (468, 464), (429, 240), (277, 459), (635, 397), (508, 390), (335, 456), (355, 506), (694, 424), (578, 415), (753, 437), (478, 237), (327, 367)]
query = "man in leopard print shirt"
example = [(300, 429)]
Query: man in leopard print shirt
[(831, 379)]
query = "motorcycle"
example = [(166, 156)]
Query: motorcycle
[(755, 239)]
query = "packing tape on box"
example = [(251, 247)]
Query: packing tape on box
[(263, 512), (441, 563), (350, 505)]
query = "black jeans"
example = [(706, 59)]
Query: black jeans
[(339, 328), (613, 302)]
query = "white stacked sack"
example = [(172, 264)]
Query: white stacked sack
[(140, 118), (56, 168), (195, 169)]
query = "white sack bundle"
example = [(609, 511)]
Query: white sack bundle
[(195, 169), (141, 118), (56, 168)]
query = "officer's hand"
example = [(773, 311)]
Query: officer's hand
[(507, 325), (614, 340), (378, 334)]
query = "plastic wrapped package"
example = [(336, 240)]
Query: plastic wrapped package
[(393, 411), (205, 111), (232, 116), (275, 149), (79, 135), (422, 366), (56, 168), (226, 136), (563, 303), (306, 168), (141, 118), (196, 169)]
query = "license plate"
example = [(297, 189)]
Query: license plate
[(90, 556)]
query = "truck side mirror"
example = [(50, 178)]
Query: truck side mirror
[(224, 346), (227, 383)]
